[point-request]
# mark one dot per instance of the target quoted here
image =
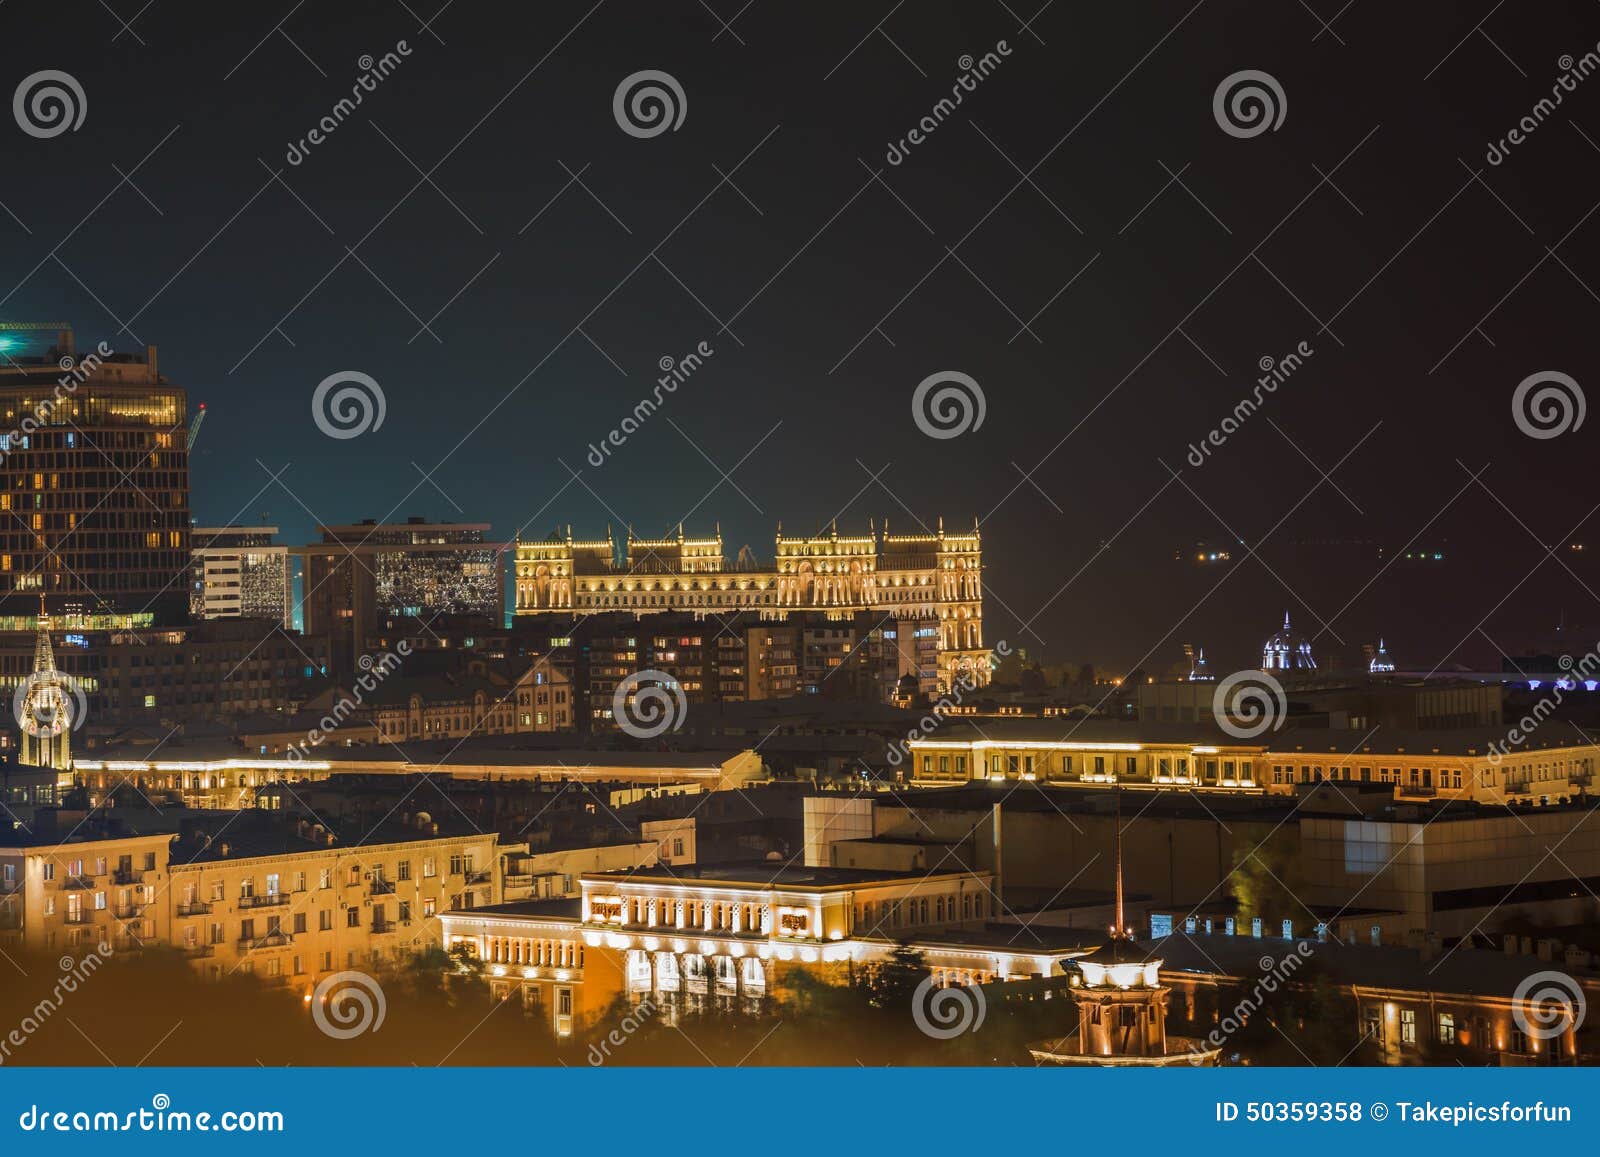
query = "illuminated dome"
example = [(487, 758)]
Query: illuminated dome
[(1119, 963), (1381, 663), (1199, 670), (1288, 650)]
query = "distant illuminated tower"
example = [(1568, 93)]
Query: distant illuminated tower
[(1381, 663), (44, 706), (1288, 650), (1122, 1004), (1199, 670)]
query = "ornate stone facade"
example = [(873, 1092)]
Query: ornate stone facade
[(925, 581)]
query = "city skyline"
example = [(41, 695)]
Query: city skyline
[(1244, 256)]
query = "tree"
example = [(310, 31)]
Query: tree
[(1266, 878)]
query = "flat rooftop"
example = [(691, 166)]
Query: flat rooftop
[(767, 873)]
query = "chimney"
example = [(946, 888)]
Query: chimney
[(150, 358)]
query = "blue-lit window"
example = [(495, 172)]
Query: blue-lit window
[(1160, 926)]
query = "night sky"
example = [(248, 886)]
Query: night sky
[(1428, 282)]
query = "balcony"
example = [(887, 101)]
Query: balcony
[(270, 900), (383, 887), (78, 918), (76, 883), (1418, 789), (1581, 778), (127, 876), (383, 927), (128, 911), (269, 940), (197, 908), (484, 876), (196, 951), (1519, 789)]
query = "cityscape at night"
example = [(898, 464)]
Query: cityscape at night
[(1040, 545)]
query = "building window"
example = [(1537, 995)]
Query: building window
[(1447, 1028), (1408, 1026)]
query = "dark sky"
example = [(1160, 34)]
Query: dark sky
[(1182, 286)]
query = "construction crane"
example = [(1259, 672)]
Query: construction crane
[(194, 426)]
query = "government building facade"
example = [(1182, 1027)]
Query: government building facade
[(924, 582)]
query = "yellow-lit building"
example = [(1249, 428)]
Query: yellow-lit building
[(62, 892), (914, 578), (699, 936), (295, 905)]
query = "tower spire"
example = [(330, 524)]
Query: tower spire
[(1119, 930)]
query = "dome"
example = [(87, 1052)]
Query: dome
[(1381, 663), (1288, 650), (1119, 963)]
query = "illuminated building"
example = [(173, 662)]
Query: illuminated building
[(912, 582), (1288, 650), (95, 888), (1122, 1004), (1381, 663), (1089, 754), (732, 936), (48, 708), (239, 572), (360, 575), (293, 901), (94, 484), (477, 700)]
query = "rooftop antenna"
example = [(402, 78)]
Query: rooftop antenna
[(1117, 931)]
